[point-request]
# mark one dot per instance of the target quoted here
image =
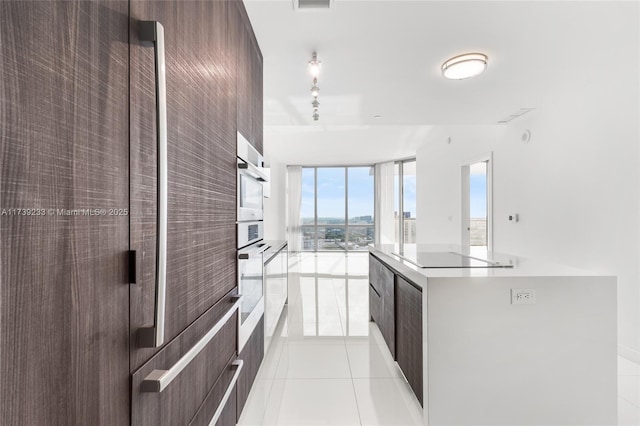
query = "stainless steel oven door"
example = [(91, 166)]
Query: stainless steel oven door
[(250, 197), (250, 285)]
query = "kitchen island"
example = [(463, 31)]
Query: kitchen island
[(496, 339)]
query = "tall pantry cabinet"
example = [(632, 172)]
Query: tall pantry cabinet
[(86, 330), (64, 143)]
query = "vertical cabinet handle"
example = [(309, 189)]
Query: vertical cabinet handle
[(152, 33)]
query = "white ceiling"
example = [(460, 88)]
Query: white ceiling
[(383, 58), (316, 145)]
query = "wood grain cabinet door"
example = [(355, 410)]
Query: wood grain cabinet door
[(200, 383), (249, 84), (252, 355), (201, 131), (375, 297), (64, 294), (382, 279), (409, 334)]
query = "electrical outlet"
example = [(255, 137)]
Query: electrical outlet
[(523, 296)]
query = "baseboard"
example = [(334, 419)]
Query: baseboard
[(629, 353)]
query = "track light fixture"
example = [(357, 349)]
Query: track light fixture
[(314, 70)]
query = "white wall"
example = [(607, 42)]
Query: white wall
[(274, 206), (574, 186)]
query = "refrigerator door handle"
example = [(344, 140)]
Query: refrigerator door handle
[(152, 33)]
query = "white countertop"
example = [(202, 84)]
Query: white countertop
[(274, 247), (522, 267)]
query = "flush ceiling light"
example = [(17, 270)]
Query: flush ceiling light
[(464, 66)]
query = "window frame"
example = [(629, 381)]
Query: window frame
[(400, 188), (346, 226)]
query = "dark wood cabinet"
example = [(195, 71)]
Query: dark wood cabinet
[(213, 400), (249, 81), (252, 355), (201, 122), (79, 192), (381, 279), (395, 304), (409, 334), (196, 392), (64, 309), (375, 304)]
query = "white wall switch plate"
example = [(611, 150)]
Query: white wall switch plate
[(523, 296)]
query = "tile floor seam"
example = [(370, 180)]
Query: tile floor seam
[(353, 385), (343, 327), (629, 402), (264, 410), (635, 404), (259, 375)]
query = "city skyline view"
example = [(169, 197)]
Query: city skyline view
[(343, 218), (337, 206), (360, 197)]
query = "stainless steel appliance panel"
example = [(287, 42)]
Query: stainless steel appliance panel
[(249, 233)]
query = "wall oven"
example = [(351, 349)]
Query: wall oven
[(250, 285), (250, 194)]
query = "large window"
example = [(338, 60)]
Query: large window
[(405, 202), (337, 208)]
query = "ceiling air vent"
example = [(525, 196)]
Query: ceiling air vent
[(312, 4), (519, 113)]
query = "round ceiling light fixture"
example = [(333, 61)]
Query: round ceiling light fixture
[(464, 66)]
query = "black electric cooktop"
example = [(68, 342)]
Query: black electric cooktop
[(436, 259)]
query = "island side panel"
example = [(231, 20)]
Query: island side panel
[(490, 362)]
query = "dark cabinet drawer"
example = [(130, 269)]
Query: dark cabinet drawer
[(409, 334), (382, 280), (379, 275), (221, 401), (209, 346), (375, 304), (252, 355)]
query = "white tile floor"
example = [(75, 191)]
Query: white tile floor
[(330, 366)]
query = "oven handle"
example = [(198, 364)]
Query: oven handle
[(253, 171), (253, 252)]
